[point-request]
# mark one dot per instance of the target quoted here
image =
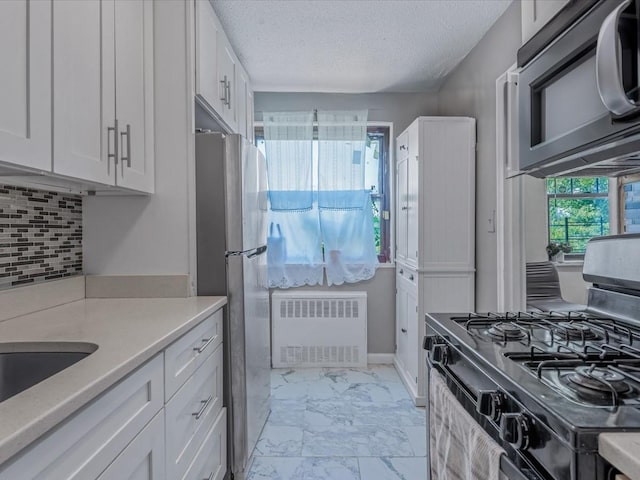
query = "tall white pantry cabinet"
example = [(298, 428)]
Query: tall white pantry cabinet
[(435, 233)]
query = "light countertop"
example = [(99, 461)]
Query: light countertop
[(128, 332), (622, 450)]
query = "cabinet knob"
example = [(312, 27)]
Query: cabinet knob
[(411, 277), (403, 330), (404, 208), (401, 271), (403, 147)]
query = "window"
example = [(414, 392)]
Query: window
[(376, 178), (578, 210), (630, 204)]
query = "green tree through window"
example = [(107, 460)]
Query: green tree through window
[(578, 210)]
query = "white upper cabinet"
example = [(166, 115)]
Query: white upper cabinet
[(207, 32), (83, 75), (103, 92), (242, 87), (222, 85), (251, 133), (536, 14), (227, 83), (134, 94), (25, 83)]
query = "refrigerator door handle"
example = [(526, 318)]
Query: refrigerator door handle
[(252, 252)]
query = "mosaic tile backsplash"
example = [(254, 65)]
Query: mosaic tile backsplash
[(40, 236)]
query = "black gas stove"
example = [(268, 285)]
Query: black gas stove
[(545, 385)]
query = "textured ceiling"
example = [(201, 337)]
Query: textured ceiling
[(354, 46)]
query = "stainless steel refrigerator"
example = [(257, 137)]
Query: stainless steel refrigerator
[(231, 214)]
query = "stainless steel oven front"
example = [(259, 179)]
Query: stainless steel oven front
[(578, 98), (465, 380)]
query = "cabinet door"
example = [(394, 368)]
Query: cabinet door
[(207, 86), (25, 83), (536, 13), (402, 209), (413, 342), (227, 80), (413, 209), (143, 457), (83, 96), (242, 85), (401, 322), (251, 133), (134, 93)]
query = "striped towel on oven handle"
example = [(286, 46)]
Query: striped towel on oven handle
[(459, 448)]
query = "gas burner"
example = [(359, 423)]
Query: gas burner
[(596, 382), (506, 331), (575, 332)]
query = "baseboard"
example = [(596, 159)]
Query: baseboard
[(380, 358), (418, 400)]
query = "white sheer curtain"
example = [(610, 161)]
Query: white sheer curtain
[(346, 215), (294, 253)]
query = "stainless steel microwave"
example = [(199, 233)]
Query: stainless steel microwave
[(578, 94)]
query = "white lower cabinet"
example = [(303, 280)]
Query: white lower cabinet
[(86, 444), (211, 460), (142, 459), (131, 432), (191, 412)]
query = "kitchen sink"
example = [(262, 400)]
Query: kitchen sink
[(22, 365)]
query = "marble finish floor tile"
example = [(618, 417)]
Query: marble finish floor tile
[(355, 441), (278, 441), (341, 423), (304, 468), (385, 468)]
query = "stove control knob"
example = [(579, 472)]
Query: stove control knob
[(490, 404), (440, 354), (515, 428)]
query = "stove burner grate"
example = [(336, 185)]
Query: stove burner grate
[(598, 379), (573, 331), (506, 331)]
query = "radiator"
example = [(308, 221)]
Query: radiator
[(319, 329)]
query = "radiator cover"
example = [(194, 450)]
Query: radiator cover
[(319, 329)]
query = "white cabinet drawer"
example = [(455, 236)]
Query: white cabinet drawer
[(191, 412), (185, 355), (142, 459), (83, 446), (211, 460)]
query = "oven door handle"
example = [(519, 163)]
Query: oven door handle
[(609, 68)]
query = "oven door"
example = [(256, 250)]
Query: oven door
[(516, 468), (508, 469), (581, 92)]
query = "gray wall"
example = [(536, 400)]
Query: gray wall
[(470, 90), (401, 109), (150, 234)]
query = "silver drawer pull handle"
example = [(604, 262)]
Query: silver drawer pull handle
[(205, 404), (207, 342), (126, 133), (405, 208)]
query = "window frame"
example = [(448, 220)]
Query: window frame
[(577, 196), (621, 182), (385, 181)]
